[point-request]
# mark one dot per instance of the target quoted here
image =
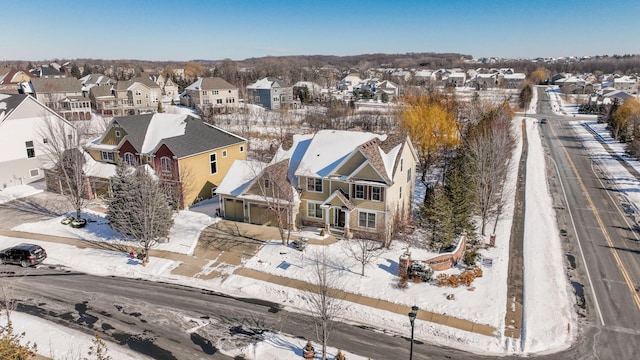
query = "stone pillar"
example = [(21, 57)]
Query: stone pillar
[(327, 213), (403, 264), (347, 219)]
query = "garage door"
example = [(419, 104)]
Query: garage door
[(233, 209), (261, 215)]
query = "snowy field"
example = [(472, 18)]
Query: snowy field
[(484, 302)]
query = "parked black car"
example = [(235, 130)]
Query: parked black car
[(543, 121), (24, 255)]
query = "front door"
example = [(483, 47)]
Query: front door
[(338, 218)]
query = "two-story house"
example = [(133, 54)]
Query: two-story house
[(359, 183), (189, 155), (63, 95), (130, 97), (211, 93), (24, 134), (271, 93)]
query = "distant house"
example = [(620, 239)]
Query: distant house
[(456, 79), (187, 154), (128, 97), (625, 83), (391, 90), (271, 93), (512, 80), (23, 138), (349, 82), (49, 72), (63, 95), (354, 183), (211, 93), (11, 80), (92, 80)]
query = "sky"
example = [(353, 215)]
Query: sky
[(214, 30)]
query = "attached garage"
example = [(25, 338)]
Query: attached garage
[(261, 215), (233, 210)]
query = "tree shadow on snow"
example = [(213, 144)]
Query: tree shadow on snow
[(391, 268)]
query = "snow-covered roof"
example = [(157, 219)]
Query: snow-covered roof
[(98, 169), (163, 126), (240, 175), (328, 148)]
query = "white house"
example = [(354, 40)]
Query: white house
[(23, 123)]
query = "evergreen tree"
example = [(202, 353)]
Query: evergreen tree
[(86, 70), (139, 207), (160, 108), (437, 213), (75, 71), (458, 189)]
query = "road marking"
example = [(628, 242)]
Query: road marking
[(623, 270), (575, 231)]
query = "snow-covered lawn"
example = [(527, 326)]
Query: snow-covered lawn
[(16, 192)]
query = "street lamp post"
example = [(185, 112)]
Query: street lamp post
[(412, 318)]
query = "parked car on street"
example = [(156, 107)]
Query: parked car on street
[(24, 255), (543, 121)]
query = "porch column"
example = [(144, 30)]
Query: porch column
[(347, 218), (327, 211)]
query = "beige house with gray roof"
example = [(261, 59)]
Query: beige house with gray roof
[(62, 95), (136, 96), (211, 93), (350, 183)]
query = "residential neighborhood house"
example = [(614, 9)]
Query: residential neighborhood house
[(127, 97), (187, 154), (271, 93), (211, 94), (23, 138), (63, 95), (353, 183)]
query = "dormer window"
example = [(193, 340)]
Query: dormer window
[(118, 133)]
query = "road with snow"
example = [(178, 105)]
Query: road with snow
[(169, 321), (601, 244)]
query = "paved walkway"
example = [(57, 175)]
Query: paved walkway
[(229, 242)]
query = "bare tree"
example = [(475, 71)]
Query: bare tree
[(278, 195), (324, 298), (139, 207), (364, 251), (489, 145), (63, 144)]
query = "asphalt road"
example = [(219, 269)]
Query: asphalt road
[(168, 321), (602, 247)]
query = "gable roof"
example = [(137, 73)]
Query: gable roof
[(96, 79), (52, 85), (10, 76), (328, 148), (183, 134), (9, 104), (211, 83), (267, 83)]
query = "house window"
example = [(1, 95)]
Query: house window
[(204, 92), (376, 193), (139, 101), (366, 219), (314, 184), (401, 163), (409, 175), (257, 99), (129, 158), (31, 151), (45, 141), (400, 192), (34, 172), (359, 192), (106, 155), (266, 183), (241, 148), (205, 101), (138, 93), (215, 92), (224, 153), (314, 210), (214, 163), (117, 133), (219, 101), (165, 164)]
